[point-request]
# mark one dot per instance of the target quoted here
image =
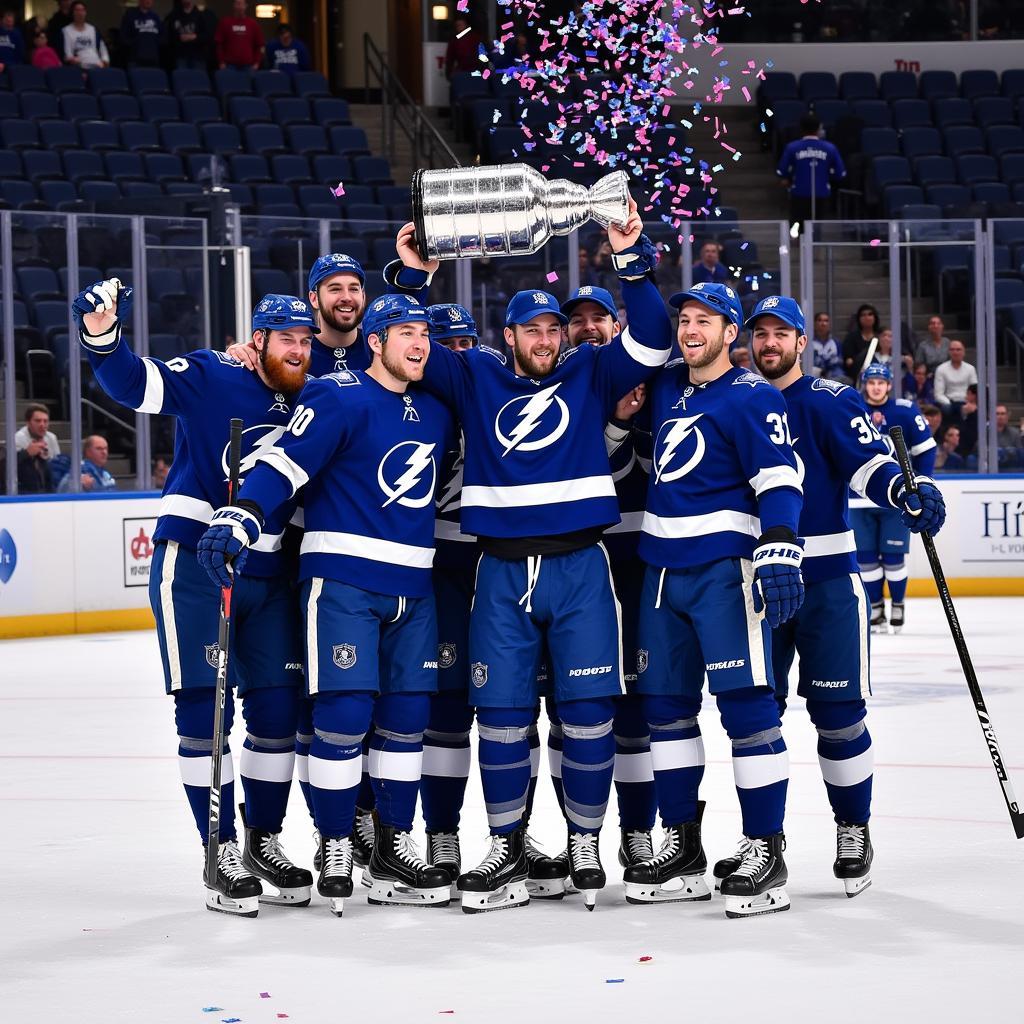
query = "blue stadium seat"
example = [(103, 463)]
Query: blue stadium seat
[(270, 281), (350, 141), (190, 82), (977, 83), (1009, 233), (330, 169), (159, 107), (221, 138), (19, 312), (99, 191), (55, 194), (934, 170), (307, 138), (328, 111), (180, 137), (164, 167), (910, 113), (310, 84), (897, 85), (828, 111), (9, 105), (948, 195), (65, 79), (83, 165), (291, 110), (245, 110), (1011, 168), (1002, 139), (249, 168), (242, 195), (993, 110), (203, 166), (232, 82), (1012, 83), (99, 135), (140, 136), (269, 84), (891, 170), (26, 78), (42, 164), (921, 211), (465, 84), (1008, 292), (39, 284), (37, 106), (141, 190), (265, 139), (394, 195), (382, 250), (991, 192), (56, 135), (18, 134), (354, 247), (963, 138), (934, 84), (315, 195), (201, 109), (355, 194), (818, 85), (149, 81), (858, 85), (785, 114), (874, 113), (79, 107), (11, 165), (896, 197), (273, 195), (975, 168), (116, 107), (86, 275), (915, 142), (50, 317), (102, 80), (372, 170), (290, 169), (125, 166), (951, 110), (183, 188), (777, 85)]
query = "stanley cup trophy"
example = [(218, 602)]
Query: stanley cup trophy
[(506, 210)]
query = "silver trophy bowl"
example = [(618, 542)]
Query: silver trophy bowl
[(506, 209)]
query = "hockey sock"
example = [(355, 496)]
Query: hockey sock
[(365, 801), (396, 755), (556, 747), (677, 755), (268, 754), (634, 771), (871, 574), (303, 738), (193, 718), (446, 761), (504, 755), (340, 721), (896, 572), (588, 759), (760, 760), (846, 757), (533, 736)]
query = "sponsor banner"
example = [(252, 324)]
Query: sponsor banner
[(990, 524), (435, 85), (138, 550)]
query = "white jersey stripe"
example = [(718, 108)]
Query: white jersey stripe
[(275, 458), (167, 615), (153, 399), (829, 544), (641, 353), (327, 542), (775, 476), (184, 506), (859, 481), (527, 495), (725, 521)]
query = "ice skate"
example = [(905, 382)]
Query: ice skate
[(758, 885), (443, 852), (635, 846), (362, 836), (854, 854), (335, 881), (676, 874), (548, 876), (398, 876), (897, 616), (727, 865), (235, 890), (878, 620), (585, 866), (265, 858), (498, 882)]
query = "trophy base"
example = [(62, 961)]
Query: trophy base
[(417, 214)]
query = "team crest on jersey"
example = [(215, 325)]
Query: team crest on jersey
[(688, 393), (479, 674), (279, 404), (344, 655), (642, 659), (407, 474), (753, 379), (212, 653), (675, 454), (833, 387), (223, 357), (531, 422), (409, 413), (344, 378), (256, 441), (500, 356), (446, 655)]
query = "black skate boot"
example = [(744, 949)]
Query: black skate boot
[(362, 836), (854, 855), (264, 857), (727, 865), (235, 890), (878, 621), (758, 885), (897, 616), (398, 876), (498, 882), (335, 881), (316, 850), (548, 876), (635, 846), (676, 874), (443, 852), (585, 866)]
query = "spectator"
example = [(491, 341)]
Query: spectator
[(36, 430), (808, 167), (161, 467), (286, 53), (1006, 436), (740, 357), (918, 385), (858, 341), (189, 37), (952, 379), (947, 459), (239, 39), (934, 349), (933, 417), (827, 361), (142, 34), (12, 46), (81, 43), (95, 476), (463, 48), (55, 26), (708, 267), (43, 54), (969, 423)]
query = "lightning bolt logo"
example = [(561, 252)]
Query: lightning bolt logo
[(672, 434), (416, 462), (262, 439), (451, 493), (528, 417)]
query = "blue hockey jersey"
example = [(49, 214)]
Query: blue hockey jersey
[(723, 470), (536, 463), (325, 360), (629, 455), (204, 390), (368, 460), (837, 448), (455, 549)]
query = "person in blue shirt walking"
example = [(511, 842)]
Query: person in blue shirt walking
[(810, 167)]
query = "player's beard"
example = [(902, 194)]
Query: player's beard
[(401, 370), (787, 360), (534, 368), (711, 351), (343, 325), (280, 375)]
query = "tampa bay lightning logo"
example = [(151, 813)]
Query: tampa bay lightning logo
[(8, 556), (407, 474), (678, 449), (449, 496), (531, 422), (256, 441), (212, 654)]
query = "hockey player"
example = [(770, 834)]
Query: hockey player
[(723, 566), (837, 447), (883, 538), (204, 390), (538, 493), (365, 451)]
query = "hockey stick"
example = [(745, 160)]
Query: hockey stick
[(871, 354), (984, 720), (220, 696)]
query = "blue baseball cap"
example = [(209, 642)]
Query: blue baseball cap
[(876, 371), (390, 310), (786, 309), (450, 320), (591, 293), (719, 298), (334, 263), (526, 305), (279, 312)]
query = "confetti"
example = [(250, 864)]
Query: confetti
[(552, 277), (464, 32), (339, 191), (264, 995), (645, 959), (875, 241), (230, 1020), (614, 981), (282, 1016)]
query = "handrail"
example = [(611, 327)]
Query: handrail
[(397, 107)]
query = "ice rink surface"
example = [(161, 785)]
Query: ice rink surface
[(103, 918)]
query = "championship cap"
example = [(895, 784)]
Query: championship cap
[(591, 293), (876, 371), (719, 298), (390, 310), (786, 309), (279, 312), (450, 320), (334, 263), (526, 305)]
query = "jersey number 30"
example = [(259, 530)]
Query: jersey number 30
[(301, 418)]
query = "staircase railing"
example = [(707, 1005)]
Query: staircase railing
[(399, 109)]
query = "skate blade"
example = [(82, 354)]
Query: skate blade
[(881, 629), (548, 888), (515, 894), (297, 897), (249, 906), (855, 886), (590, 898), (386, 892), (772, 901), (336, 905), (897, 630), (366, 878), (685, 889)]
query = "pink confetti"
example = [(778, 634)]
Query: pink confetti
[(645, 959), (875, 241), (264, 995), (552, 277), (339, 191)]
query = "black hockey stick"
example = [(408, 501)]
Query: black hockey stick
[(1016, 818), (220, 695)]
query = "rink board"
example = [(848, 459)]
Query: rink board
[(80, 564)]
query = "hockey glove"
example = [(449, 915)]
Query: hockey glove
[(778, 583), (102, 297), (636, 262), (224, 547), (923, 511)]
